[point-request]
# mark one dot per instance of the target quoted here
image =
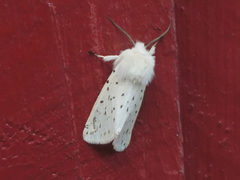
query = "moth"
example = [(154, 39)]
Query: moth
[(115, 111)]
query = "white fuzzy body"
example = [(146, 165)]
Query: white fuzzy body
[(115, 111), (136, 64)]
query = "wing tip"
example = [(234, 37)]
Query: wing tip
[(119, 148), (95, 140)]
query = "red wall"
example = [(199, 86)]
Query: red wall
[(188, 123), (208, 37)]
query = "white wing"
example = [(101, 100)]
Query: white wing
[(126, 116), (99, 128), (114, 112)]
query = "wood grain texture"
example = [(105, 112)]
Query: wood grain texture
[(208, 34), (49, 84)]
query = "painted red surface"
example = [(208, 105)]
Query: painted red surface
[(208, 34), (49, 84)]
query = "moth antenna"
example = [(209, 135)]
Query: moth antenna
[(115, 24), (159, 37)]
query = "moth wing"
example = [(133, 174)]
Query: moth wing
[(114, 112), (99, 128), (126, 116)]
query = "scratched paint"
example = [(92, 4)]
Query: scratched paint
[(208, 40), (49, 84)]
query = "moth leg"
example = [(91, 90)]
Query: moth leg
[(105, 58)]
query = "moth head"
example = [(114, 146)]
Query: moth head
[(154, 41)]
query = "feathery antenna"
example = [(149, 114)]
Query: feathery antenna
[(115, 24), (159, 37)]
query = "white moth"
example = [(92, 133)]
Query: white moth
[(115, 111)]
